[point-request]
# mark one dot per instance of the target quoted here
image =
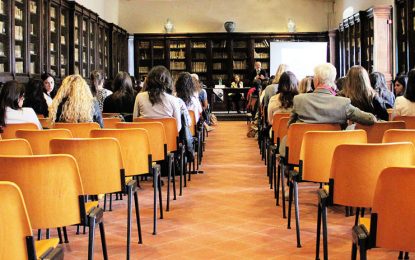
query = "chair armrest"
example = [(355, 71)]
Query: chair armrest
[(56, 253)]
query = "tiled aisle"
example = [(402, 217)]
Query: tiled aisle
[(227, 213)]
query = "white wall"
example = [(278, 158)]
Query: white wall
[(149, 16), (358, 5), (106, 9)]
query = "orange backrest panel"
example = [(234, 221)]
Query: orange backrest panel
[(375, 131), (9, 132), (156, 136), (50, 185), (135, 148), (39, 139), (356, 168), (79, 130), (110, 122), (317, 150), (108, 115), (399, 135), (45, 122), (99, 161), (15, 147), (282, 128), (295, 135), (409, 121), (193, 118), (395, 206), (170, 127), (14, 222)]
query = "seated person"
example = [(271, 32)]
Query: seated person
[(235, 97), (74, 103), (98, 91), (11, 110), (400, 85), (48, 87), (34, 97), (154, 101), (378, 82), (272, 89), (405, 105), (258, 73)]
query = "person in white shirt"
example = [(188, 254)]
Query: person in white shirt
[(154, 101), (405, 105), (185, 90), (11, 110), (49, 86)]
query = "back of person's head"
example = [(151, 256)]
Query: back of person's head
[(34, 90), (305, 85), (184, 87), (281, 69), (410, 86), (9, 97), (357, 87), (157, 82), (325, 74), (196, 83), (288, 88), (122, 84), (340, 83), (97, 78), (78, 106), (377, 80)]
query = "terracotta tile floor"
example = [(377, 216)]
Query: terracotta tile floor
[(227, 213)]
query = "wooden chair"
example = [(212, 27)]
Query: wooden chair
[(317, 149), (15, 147), (375, 131), (52, 191), (197, 137), (9, 132), (353, 184), (45, 122), (391, 220), (16, 237), (39, 139), (78, 130), (158, 148), (291, 159), (110, 122), (101, 170), (109, 115), (409, 121), (137, 158)]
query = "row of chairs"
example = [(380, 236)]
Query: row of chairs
[(307, 152), (92, 159)]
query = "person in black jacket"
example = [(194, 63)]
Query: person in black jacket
[(34, 97), (362, 95), (258, 73), (123, 98)]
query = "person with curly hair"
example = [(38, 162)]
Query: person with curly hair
[(74, 103), (154, 101)]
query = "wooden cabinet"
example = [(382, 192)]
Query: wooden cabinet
[(118, 50), (365, 39), (214, 57)]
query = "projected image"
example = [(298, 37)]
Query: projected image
[(301, 57)]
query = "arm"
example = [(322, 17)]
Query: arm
[(97, 114), (270, 113), (176, 114), (380, 108), (356, 115), (136, 112)]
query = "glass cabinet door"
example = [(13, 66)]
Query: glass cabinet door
[(34, 36), (4, 36), (77, 43), (20, 20), (64, 42)]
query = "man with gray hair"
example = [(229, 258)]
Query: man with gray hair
[(322, 106)]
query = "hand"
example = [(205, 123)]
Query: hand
[(262, 77)]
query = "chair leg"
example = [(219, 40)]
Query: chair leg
[(65, 235), (362, 251), (47, 233), (290, 202), (60, 235), (110, 202), (129, 213), (297, 213), (318, 231), (39, 234), (155, 187), (160, 197), (276, 179), (354, 251), (105, 202), (181, 174), (137, 216), (185, 171), (324, 219), (168, 185), (103, 240), (91, 238), (174, 176), (283, 191)]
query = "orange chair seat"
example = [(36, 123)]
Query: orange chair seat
[(42, 246)]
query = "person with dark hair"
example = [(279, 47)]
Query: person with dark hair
[(235, 97), (378, 82), (97, 89), (405, 105), (185, 90), (400, 85), (362, 95), (340, 84), (122, 100), (11, 110), (154, 101), (49, 87), (283, 101), (35, 98)]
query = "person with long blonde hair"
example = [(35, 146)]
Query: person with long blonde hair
[(362, 95), (272, 89), (74, 103)]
